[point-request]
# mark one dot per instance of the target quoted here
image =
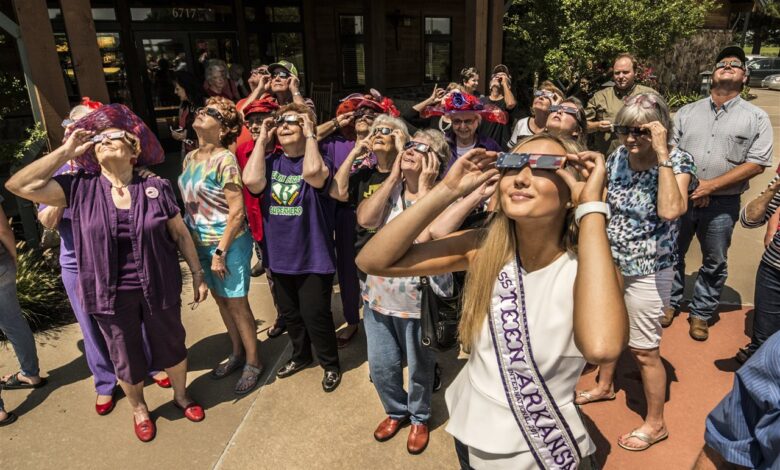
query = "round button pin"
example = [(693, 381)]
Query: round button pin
[(152, 193)]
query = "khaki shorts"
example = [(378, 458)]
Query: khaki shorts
[(645, 297)]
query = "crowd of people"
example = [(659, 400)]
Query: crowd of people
[(563, 233)]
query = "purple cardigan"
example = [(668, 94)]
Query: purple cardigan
[(482, 142), (94, 219)]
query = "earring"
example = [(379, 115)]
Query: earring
[(569, 205)]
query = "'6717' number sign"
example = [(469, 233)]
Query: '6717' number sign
[(195, 14)]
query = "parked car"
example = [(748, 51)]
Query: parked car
[(751, 57), (772, 82), (762, 68)]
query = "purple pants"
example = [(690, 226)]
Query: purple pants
[(346, 221), (95, 348), (124, 335)]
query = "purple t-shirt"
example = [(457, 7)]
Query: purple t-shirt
[(298, 220), (336, 147), (127, 276)]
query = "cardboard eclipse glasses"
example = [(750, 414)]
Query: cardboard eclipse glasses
[(537, 161)]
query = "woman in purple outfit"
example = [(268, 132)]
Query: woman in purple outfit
[(128, 231), (95, 349)]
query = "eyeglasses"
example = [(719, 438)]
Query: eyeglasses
[(566, 109), (365, 113), (383, 130), (258, 120), (281, 74), (116, 135), (260, 71), (417, 146), (634, 131), (537, 161), (206, 111), (732, 63), (288, 119), (467, 122), (544, 93)]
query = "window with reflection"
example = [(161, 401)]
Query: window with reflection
[(283, 14), (353, 58), (288, 46), (438, 49)]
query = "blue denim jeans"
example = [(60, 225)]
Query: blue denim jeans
[(712, 226), (390, 341), (766, 315), (12, 322)]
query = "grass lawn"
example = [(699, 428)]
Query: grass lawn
[(768, 51)]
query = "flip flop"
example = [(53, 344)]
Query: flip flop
[(644, 438), (13, 383), (589, 398), (249, 379), (8, 420), (226, 368)]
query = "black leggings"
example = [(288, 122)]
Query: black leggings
[(304, 302)]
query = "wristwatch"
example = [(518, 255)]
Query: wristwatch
[(219, 253), (668, 164), (297, 93), (311, 136), (589, 207)]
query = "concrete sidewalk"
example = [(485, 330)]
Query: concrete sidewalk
[(292, 424)]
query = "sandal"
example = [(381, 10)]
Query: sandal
[(249, 379), (644, 438), (11, 418), (232, 364), (13, 383), (589, 398)]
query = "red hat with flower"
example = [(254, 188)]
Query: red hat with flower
[(458, 102)]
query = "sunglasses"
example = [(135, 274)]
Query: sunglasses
[(205, 111), (417, 146), (260, 71), (383, 130), (634, 131), (537, 161), (544, 93), (732, 63), (288, 119), (281, 74), (458, 122), (365, 113), (566, 109), (116, 135), (250, 121)]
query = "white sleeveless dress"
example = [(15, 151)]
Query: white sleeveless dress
[(480, 416)]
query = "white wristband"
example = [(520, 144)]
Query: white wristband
[(589, 207)]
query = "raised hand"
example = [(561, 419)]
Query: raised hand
[(399, 140), (345, 119), (78, 142), (658, 137), (430, 171), (294, 84), (470, 171), (267, 131), (308, 125), (592, 170)]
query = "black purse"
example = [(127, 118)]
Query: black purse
[(439, 317)]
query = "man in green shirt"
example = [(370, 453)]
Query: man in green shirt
[(606, 103)]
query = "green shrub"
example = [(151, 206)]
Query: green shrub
[(678, 100)]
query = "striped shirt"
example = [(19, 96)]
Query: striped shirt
[(722, 139), (772, 252), (745, 427)]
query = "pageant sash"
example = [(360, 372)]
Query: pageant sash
[(541, 422)]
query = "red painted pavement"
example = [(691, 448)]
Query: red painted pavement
[(699, 375)]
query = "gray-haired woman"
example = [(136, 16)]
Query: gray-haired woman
[(391, 315), (647, 190)]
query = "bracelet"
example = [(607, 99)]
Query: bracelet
[(667, 164), (200, 271), (311, 136), (336, 123), (297, 93), (590, 207)]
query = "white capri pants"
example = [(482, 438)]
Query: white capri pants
[(645, 298)]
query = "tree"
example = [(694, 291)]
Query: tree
[(765, 25), (575, 40)]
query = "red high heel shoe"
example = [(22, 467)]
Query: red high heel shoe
[(105, 408), (163, 383), (145, 430)]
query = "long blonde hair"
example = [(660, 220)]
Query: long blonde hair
[(496, 246)]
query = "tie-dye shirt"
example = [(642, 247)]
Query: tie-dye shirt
[(202, 186)]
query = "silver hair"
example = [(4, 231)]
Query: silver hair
[(78, 112), (438, 143), (215, 64), (645, 108), (385, 120)]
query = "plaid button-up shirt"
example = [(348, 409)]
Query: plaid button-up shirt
[(722, 139)]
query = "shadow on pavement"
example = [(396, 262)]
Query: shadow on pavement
[(629, 379)]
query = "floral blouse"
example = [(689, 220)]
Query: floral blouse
[(642, 243)]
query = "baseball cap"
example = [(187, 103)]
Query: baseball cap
[(732, 51), (287, 65)]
